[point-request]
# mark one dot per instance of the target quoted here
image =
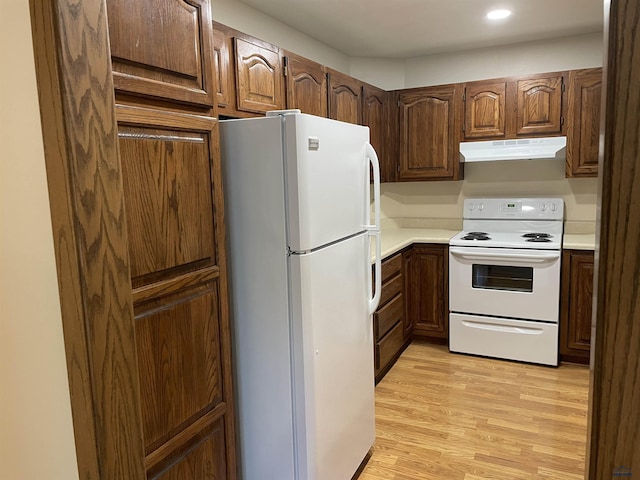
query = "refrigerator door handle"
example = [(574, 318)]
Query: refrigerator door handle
[(374, 230)]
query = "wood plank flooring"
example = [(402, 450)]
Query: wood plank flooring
[(456, 417)]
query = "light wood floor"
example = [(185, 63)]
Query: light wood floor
[(456, 417)]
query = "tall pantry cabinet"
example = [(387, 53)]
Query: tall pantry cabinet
[(162, 55)]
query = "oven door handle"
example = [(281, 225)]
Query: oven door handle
[(528, 257)]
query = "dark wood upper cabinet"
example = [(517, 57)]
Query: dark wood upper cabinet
[(539, 105), (576, 305), (429, 290), (223, 66), (306, 83), (583, 126), (484, 109), (259, 76), (374, 116), (345, 98), (428, 134), (163, 49), (514, 107)]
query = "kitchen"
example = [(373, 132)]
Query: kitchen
[(406, 201)]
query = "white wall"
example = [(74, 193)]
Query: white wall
[(385, 73), (535, 178), (36, 435), (581, 51), (248, 20)]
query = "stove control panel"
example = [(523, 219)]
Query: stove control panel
[(514, 208)]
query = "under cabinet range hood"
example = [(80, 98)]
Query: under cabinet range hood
[(547, 148)]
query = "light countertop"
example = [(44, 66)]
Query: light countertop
[(579, 241), (394, 240)]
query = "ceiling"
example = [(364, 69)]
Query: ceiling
[(411, 28)]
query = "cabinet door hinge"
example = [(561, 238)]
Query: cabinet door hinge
[(398, 102), (564, 87), (464, 97), (285, 70), (561, 120)]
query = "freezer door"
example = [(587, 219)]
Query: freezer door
[(327, 175), (333, 367)]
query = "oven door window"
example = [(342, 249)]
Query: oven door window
[(503, 277)]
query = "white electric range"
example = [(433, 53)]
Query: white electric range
[(504, 279)]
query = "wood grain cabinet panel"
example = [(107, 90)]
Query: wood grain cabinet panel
[(163, 49), (223, 66), (178, 347), (174, 206), (408, 320), (583, 128), (428, 134), (484, 109), (345, 98), (514, 107), (306, 85), (539, 105), (374, 116), (429, 294), (204, 458), (259, 76), (388, 320), (166, 179), (576, 305)]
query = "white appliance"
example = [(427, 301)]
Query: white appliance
[(504, 279), (298, 206), (546, 148)]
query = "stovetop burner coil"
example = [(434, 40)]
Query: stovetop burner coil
[(476, 236)]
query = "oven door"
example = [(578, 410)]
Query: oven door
[(504, 282)]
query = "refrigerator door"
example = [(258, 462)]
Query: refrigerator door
[(333, 367), (327, 176)]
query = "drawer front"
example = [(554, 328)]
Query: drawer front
[(391, 288), (389, 346), (391, 267), (389, 315)]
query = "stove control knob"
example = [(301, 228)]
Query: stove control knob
[(481, 206), (543, 207), (472, 206), (554, 207)]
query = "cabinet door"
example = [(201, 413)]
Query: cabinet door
[(408, 314), (345, 98), (484, 110), (222, 45), (306, 85), (374, 100), (428, 142), (173, 203), (429, 294), (576, 305), (538, 105), (163, 49), (259, 76), (583, 129)]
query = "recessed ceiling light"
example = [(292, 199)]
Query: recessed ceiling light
[(498, 14)]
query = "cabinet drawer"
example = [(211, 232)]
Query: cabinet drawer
[(391, 288), (387, 316), (391, 267), (389, 346)]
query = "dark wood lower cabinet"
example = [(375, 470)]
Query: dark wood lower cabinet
[(429, 291), (576, 305), (389, 318), (414, 302)]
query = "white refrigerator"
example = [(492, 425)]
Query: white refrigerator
[(299, 232)]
